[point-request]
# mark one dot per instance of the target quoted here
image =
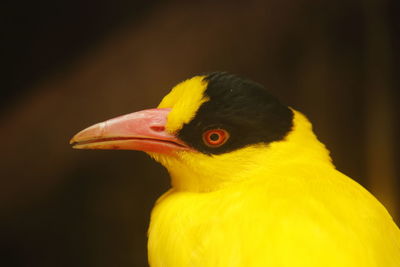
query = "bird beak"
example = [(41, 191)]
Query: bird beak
[(143, 130)]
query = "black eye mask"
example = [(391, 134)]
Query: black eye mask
[(241, 107)]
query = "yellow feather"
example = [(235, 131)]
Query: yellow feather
[(185, 99), (282, 205)]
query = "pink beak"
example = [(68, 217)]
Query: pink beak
[(143, 130)]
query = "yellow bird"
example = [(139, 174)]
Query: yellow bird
[(251, 185)]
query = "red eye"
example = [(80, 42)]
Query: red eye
[(215, 137)]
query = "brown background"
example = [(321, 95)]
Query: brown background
[(70, 64)]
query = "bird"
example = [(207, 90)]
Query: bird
[(251, 185)]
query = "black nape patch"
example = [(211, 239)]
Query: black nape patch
[(242, 107)]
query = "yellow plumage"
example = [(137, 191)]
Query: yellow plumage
[(282, 204), (192, 94)]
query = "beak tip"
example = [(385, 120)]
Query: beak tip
[(75, 145), (72, 141)]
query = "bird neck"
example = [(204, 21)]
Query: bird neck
[(196, 172)]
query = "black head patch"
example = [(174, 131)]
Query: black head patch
[(241, 107)]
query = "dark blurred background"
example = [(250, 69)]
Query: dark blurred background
[(69, 64)]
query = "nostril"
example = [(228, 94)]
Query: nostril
[(157, 128)]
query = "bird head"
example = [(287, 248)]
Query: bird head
[(211, 131)]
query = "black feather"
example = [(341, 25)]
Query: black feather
[(242, 107)]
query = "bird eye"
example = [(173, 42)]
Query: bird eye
[(215, 137)]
